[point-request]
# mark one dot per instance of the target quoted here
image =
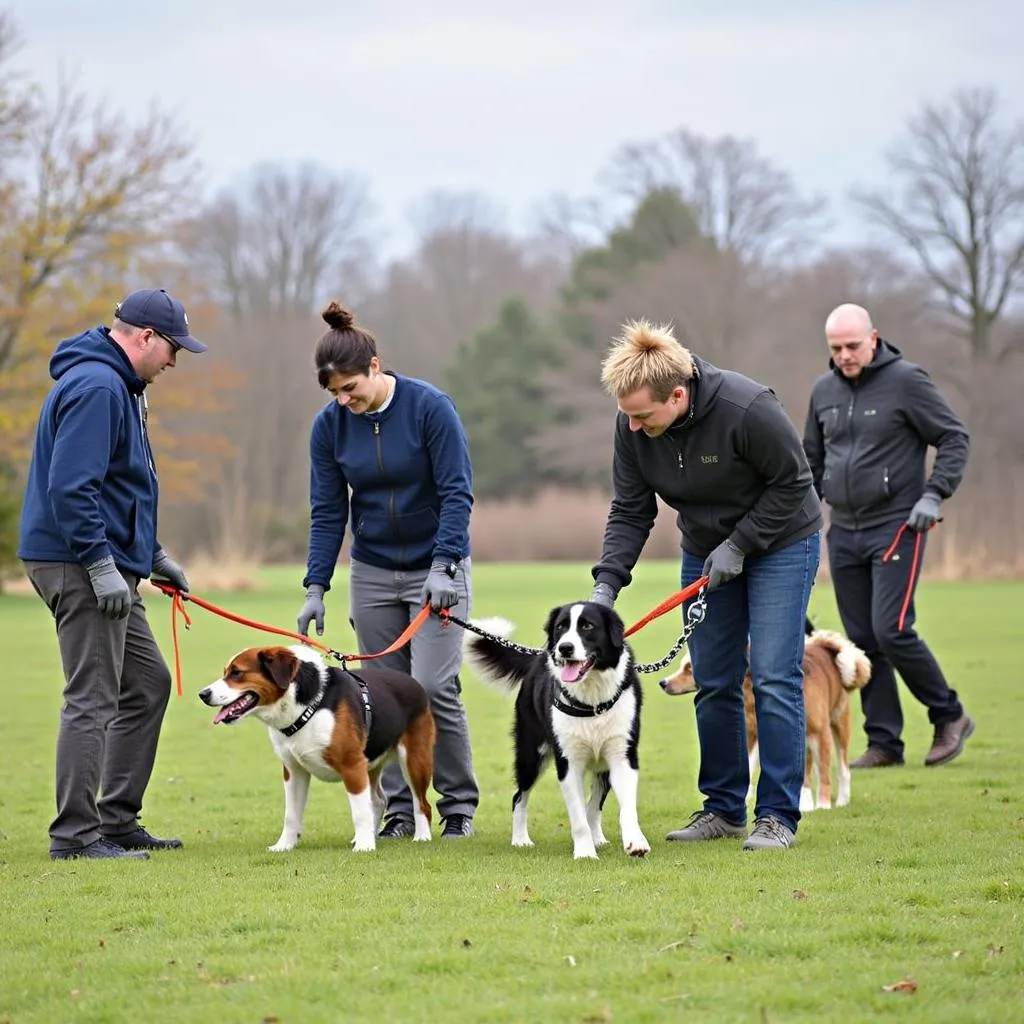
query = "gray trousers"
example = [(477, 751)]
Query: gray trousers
[(117, 686), (382, 602)]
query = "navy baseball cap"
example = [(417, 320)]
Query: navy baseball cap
[(153, 307)]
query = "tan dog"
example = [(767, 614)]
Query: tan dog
[(833, 667)]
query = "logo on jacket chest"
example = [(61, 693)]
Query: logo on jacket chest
[(708, 460)]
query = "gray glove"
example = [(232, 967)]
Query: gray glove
[(167, 569), (925, 514), (113, 594), (723, 564), (439, 588), (603, 594), (313, 609)]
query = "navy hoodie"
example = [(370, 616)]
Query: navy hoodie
[(92, 487), (410, 477)]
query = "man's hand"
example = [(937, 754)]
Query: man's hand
[(925, 514), (113, 594), (603, 594), (439, 588), (313, 609), (723, 564), (167, 569)]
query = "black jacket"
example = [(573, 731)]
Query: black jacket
[(866, 440), (733, 468)]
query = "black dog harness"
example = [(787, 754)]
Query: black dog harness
[(569, 705), (314, 706)]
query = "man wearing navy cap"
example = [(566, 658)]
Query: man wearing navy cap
[(88, 536)]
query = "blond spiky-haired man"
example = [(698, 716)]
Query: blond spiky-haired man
[(719, 449)]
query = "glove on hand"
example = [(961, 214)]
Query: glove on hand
[(312, 609), (603, 594), (439, 588), (113, 594), (723, 564), (166, 568), (925, 514)]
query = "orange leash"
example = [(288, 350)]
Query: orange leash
[(178, 600), (914, 564), (668, 604)]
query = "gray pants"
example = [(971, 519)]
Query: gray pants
[(382, 602), (115, 695)]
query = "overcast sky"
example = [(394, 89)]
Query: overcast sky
[(522, 99)]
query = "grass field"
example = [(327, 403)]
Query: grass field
[(921, 877)]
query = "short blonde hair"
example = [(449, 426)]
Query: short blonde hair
[(646, 355)]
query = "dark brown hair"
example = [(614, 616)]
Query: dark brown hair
[(345, 348)]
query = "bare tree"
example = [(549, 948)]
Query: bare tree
[(740, 199), (453, 284), (83, 188), (958, 206), (283, 239)]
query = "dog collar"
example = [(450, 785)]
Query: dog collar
[(569, 705), (311, 709)]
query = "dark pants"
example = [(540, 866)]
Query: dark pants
[(766, 603), (871, 595), (117, 686)]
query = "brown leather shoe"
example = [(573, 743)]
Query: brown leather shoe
[(949, 740), (875, 758)]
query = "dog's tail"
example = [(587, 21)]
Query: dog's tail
[(853, 664), (499, 666)]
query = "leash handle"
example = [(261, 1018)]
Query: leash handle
[(914, 565)]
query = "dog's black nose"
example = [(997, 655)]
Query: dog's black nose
[(566, 650), (204, 695)]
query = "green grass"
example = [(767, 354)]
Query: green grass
[(921, 876)]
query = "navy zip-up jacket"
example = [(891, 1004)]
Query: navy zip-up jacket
[(410, 477), (92, 486), (867, 440)]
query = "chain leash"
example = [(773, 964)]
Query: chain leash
[(694, 617)]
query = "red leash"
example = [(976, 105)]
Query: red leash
[(668, 604), (918, 536), (178, 600)]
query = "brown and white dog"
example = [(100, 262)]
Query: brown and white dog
[(833, 667), (336, 725)]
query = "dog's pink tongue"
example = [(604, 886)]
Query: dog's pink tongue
[(572, 671), (221, 715)]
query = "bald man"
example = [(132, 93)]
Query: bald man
[(871, 420)]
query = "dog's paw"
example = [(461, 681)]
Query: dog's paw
[(424, 837), (364, 844), (283, 846), (522, 841), (600, 839), (585, 851), (806, 800), (637, 846)]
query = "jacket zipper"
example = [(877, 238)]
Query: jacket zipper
[(142, 404), (391, 491), (846, 468)]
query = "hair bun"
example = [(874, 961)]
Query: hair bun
[(338, 317)]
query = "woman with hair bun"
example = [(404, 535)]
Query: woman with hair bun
[(389, 456)]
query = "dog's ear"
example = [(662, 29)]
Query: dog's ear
[(278, 664), (615, 626), (549, 626), (808, 626)]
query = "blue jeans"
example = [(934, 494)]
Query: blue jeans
[(766, 603)]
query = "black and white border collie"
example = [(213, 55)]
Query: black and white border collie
[(578, 704)]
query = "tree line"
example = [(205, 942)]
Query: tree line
[(700, 231)]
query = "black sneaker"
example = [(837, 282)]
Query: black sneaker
[(397, 828), (140, 839), (100, 849), (457, 826)]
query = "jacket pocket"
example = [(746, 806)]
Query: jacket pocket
[(379, 528), (828, 420)]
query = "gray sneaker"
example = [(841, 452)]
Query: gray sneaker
[(769, 834), (706, 825)]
